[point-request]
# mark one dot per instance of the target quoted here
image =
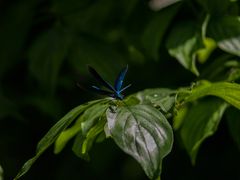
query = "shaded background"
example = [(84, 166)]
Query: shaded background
[(44, 48)]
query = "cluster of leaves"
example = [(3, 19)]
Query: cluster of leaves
[(202, 35)]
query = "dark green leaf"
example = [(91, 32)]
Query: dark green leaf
[(226, 32), (142, 132), (16, 22), (53, 134), (233, 116), (183, 43), (162, 98), (47, 55), (94, 52), (155, 30), (200, 122), (215, 8)]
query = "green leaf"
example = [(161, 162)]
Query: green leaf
[(142, 132), (84, 123), (83, 144), (161, 98), (230, 92), (183, 43), (53, 134), (158, 5), (179, 117), (47, 55), (203, 54), (226, 32), (155, 30), (200, 122), (1, 173), (233, 116)]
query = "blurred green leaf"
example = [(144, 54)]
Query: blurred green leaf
[(203, 54), (162, 98), (84, 123), (160, 4), (47, 54), (53, 134), (142, 132), (1, 173), (200, 122), (183, 43), (230, 92), (103, 56), (16, 22), (226, 32), (233, 116), (156, 29), (214, 7)]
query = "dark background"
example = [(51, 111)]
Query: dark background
[(44, 48)]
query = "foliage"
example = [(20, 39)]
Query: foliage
[(183, 54)]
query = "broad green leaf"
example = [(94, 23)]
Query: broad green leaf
[(16, 22), (142, 132), (155, 30), (233, 120), (200, 122), (183, 43), (160, 4), (226, 32), (230, 92), (162, 98), (53, 134), (82, 125), (47, 55)]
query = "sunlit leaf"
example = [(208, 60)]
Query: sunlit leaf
[(142, 132), (230, 92), (200, 122), (53, 134), (183, 43), (226, 32), (233, 116)]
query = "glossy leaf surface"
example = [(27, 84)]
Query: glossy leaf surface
[(142, 132)]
